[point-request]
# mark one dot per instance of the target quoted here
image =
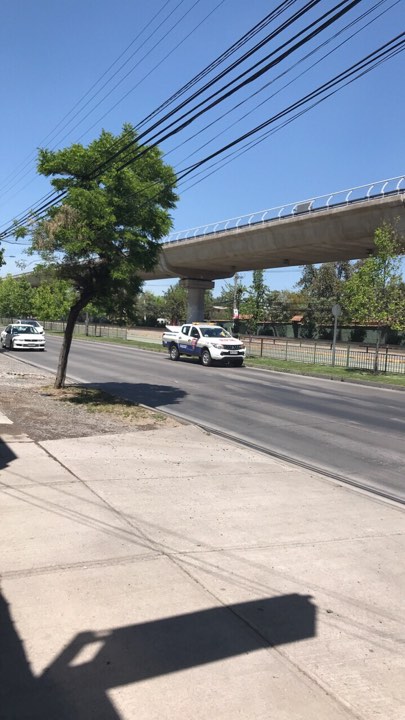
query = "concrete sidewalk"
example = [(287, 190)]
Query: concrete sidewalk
[(171, 574)]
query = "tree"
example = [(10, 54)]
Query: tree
[(375, 292), (52, 300), (323, 287), (284, 304), (15, 297), (148, 308), (256, 303), (175, 304), (108, 225), (231, 297)]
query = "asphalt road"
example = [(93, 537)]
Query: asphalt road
[(357, 432)]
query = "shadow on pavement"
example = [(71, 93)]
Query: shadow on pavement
[(6, 456), (75, 685), (143, 393)]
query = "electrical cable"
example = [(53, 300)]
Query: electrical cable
[(57, 196), (309, 5), (174, 26), (376, 56), (255, 130), (94, 85), (152, 142), (282, 74), (366, 64)]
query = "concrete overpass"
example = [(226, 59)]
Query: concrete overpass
[(339, 226)]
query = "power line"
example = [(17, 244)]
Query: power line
[(282, 74), (94, 85), (339, 78), (156, 139), (368, 63), (388, 50), (43, 204), (232, 49), (173, 27), (309, 5)]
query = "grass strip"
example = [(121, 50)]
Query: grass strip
[(98, 401)]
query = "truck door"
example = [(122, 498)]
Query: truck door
[(184, 338), (194, 338)]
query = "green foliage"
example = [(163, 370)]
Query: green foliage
[(109, 223), (232, 296), (148, 308), (175, 304), (52, 300), (376, 293), (284, 304), (322, 287), (255, 305), (106, 229), (16, 295), (208, 305)]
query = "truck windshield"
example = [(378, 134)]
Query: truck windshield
[(214, 332)]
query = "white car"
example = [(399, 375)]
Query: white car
[(22, 337), (35, 324)]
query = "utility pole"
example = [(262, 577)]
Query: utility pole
[(236, 300), (336, 312), (235, 297)]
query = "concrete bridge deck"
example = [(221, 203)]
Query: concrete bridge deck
[(342, 232)]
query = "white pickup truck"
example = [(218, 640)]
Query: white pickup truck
[(209, 343)]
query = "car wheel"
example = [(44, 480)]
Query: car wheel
[(238, 362), (174, 352), (206, 358)]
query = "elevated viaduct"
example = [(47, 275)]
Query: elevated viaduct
[(340, 226)]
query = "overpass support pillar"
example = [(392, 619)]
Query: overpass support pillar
[(195, 297)]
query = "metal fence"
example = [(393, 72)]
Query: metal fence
[(92, 329), (348, 356)]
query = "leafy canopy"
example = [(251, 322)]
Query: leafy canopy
[(15, 297), (108, 227), (105, 231), (376, 292)]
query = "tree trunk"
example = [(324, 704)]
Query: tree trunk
[(67, 341)]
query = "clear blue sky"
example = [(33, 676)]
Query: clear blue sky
[(53, 52)]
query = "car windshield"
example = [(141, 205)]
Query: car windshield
[(214, 332), (34, 323), (24, 329)]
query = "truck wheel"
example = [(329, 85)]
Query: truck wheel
[(238, 362), (206, 358), (174, 352)]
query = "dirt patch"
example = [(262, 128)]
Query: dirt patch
[(43, 413)]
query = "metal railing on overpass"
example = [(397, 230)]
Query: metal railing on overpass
[(359, 194)]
